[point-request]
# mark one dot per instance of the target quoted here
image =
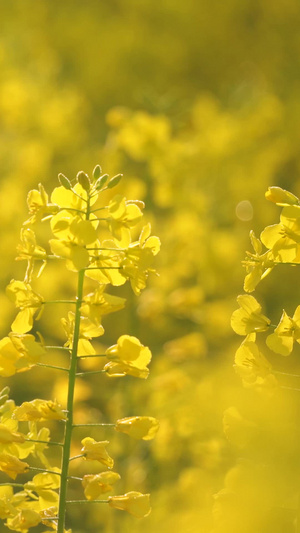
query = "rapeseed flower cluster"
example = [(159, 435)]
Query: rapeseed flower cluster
[(95, 242)]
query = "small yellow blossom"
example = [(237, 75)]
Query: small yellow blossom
[(287, 331), (30, 351), (12, 466), (38, 205), (128, 354), (50, 512), (252, 366), (124, 215), (45, 485), (7, 435), (281, 197), (139, 259), (113, 369), (257, 265), (98, 303), (87, 331), (138, 427), (106, 264), (39, 410), (72, 199), (24, 520), (249, 317), (31, 252), (133, 502), (9, 357), (284, 238), (29, 303), (96, 451), (96, 484), (6, 507)]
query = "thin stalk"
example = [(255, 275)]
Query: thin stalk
[(92, 355), (90, 372), (58, 348), (87, 501), (70, 400), (286, 374), (52, 366), (19, 485), (109, 249), (77, 456), (72, 209), (81, 198), (104, 268), (91, 425), (50, 442), (59, 302), (98, 209), (34, 468)]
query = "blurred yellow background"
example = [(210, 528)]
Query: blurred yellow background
[(197, 104)]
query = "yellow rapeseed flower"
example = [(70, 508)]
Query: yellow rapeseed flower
[(25, 519), (284, 238), (12, 466), (96, 451), (128, 356), (249, 317), (96, 484), (133, 502), (39, 410), (28, 301), (287, 331), (138, 427)]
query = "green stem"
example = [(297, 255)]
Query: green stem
[(70, 400), (69, 422)]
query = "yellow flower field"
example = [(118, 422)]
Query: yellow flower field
[(162, 391)]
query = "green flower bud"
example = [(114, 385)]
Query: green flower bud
[(84, 180), (101, 182), (97, 172), (63, 180), (114, 181)]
